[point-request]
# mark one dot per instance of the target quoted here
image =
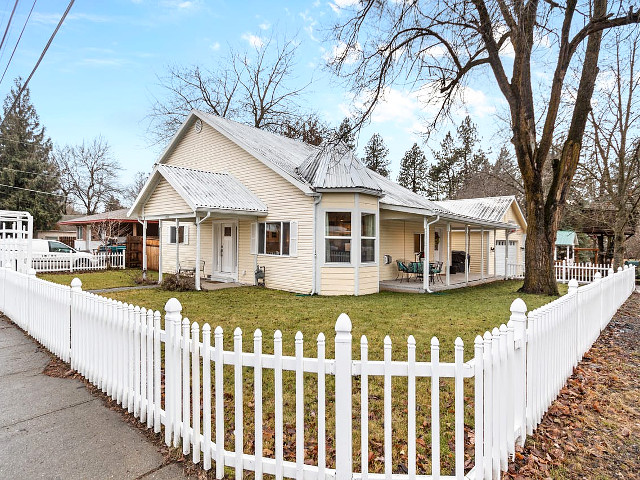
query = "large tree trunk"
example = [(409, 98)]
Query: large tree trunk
[(539, 276), (619, 238)]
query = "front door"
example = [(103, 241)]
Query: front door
[(226, 248)]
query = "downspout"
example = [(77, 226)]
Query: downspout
[(425, 269), (314, 266)]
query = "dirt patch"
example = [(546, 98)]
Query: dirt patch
[(592, 431)]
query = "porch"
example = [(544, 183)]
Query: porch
[(456, 280)]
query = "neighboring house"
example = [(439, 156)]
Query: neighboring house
[(235, 197), (91, 231), (61, 231), (566, 242), (498, 209)]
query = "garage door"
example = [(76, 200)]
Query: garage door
[(513, 252)]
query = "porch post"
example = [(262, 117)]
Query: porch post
[(159, 251), (482, 253), (466, 254), (568, 258), (448, 273), (506, 252), (88, 244), (197, 253), (425, 268), (495, 271), (177, 245), (144, 249)]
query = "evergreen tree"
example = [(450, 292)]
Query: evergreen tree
[(444, 175), (375, 155), (413, 170), (26, 167), (346, 134), (112, 203)]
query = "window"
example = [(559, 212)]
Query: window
[(274, 238), (59, 247), (368, 238), (79, 232), (418, 242), (182, 234), (338, 237)]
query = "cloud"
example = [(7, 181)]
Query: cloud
[(253, 40), (265, 26), (309, 24), (215, 46), (338, 5), (338, 50), (180, 4)]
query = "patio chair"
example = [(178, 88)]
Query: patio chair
[(417, 269), (402, 270), (436, 271)]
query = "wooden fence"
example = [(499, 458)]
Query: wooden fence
[(517, 371)]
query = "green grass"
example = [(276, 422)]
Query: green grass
[(100, 279)]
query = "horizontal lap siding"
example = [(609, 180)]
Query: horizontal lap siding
[(187, 251), (368, 280), (206, 245), (337, 280), (396, 239), (211, 151), (165, 201)]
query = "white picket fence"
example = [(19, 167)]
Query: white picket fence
[(16, 231), (564, 271), (517, 371), (74, 262), (582, 272)]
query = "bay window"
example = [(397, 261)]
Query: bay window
[(368, 238), (338, 237)]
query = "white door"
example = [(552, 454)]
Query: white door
[(226, 248), (500, 252)]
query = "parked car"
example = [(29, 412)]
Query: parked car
[(51, 255)]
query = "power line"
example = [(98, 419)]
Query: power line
[(24, 85), (25, 171), (31, 190), (18, 42), (6, 30)]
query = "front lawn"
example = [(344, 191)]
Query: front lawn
[(464, 312), (101, 279)]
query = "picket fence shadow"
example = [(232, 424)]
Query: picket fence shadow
[(164, 376)]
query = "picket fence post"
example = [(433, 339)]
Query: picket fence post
[(518, 320), (172, 386), (29, 321), (344, 418), (76, 288)]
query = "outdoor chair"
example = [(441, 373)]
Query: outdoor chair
[(402, 270)]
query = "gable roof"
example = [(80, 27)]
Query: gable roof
[(486, 208), (566, 238), (204, 191)]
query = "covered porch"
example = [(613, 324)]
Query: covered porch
[(455, 250)]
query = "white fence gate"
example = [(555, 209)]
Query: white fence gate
[(75, 262), (517, 370), (16, 232)]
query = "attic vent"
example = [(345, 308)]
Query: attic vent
[(198, 126)]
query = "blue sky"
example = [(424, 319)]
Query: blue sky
[(100, 74)]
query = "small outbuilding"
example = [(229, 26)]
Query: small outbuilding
[(566, 243)]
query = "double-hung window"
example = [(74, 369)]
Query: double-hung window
[(338, 237), (368, 238), (274, 238), (182, 234)]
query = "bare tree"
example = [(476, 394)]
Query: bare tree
[(439, 46), (131, 191), (88, 173), (252, 87), (612, 162)]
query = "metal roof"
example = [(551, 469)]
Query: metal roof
[(337, 167), (211, 191), (397, 195), (487, 208), (566, 238), (119, 215)]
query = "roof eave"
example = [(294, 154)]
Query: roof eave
[(368, 191)]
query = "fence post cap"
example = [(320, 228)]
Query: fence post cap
[(478, 341), (573, 285), (435, 342), (619, 269), (257, 333), (298, 337), (320, 338), (610, 271), (458, 342), (597, 276), (518, 306), (195, 327), (31, 272), (173, 306), (343, 324), (206, 329), (76, 284)]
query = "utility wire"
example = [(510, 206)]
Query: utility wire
[(18, 42), (24, 85), (25, 171), (31, 190), (6, 30)]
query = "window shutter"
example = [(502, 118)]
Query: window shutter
[(186, 235), (293, 239), (254, 239)]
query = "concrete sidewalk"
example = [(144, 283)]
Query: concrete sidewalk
[(53, 428)]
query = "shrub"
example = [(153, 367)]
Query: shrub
[(178, 283)]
